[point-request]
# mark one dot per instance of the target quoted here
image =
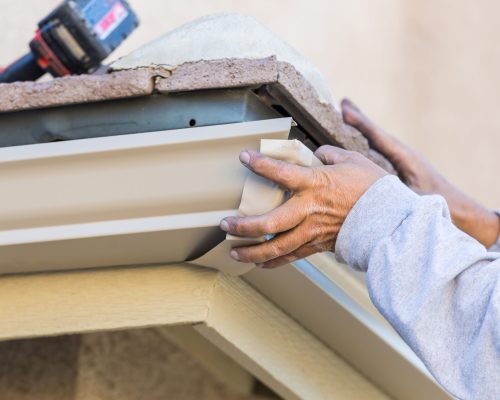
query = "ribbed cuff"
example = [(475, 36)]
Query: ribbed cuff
[(375, 216)]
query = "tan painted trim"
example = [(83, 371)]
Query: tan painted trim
[(221, 366), (226, 310), (86, 301), (336, 315), (277, 350)]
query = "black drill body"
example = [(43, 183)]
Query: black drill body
[(74, 39)]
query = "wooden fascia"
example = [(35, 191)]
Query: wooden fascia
[(226, 310)]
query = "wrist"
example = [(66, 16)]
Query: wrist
[(491, 229), (477, 221), (495, 229)]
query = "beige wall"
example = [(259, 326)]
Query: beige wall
[(427, 70), (130, 365)]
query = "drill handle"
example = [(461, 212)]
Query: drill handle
[(24, 69)]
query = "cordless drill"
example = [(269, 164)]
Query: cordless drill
[(74, 39)]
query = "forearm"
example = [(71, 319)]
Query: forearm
[(420, 175), (437, 286)]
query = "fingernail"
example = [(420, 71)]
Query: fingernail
[(234, 255), (244, 157), (224, 225)]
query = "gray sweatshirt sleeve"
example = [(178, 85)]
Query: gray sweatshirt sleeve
[(438, 287)]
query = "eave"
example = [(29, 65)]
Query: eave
[(335, 320)]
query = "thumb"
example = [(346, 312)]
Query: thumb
[(330, 155)]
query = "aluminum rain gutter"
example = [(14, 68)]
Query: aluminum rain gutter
[(157, 197)]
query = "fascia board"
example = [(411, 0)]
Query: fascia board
[(134, 199), (278, 350), (36, 305), (227, 311), (337, 313)]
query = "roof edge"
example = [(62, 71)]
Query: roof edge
[(281, 77), (21, 96)]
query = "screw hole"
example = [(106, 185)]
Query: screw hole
[(192, 123)]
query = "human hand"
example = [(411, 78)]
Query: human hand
[(421, 176), (310, 220)]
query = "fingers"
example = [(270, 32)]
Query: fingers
[(290, 176), (378, 139), (281, 219), (353, 116), (279, 246), (331, 155), (303, 252)]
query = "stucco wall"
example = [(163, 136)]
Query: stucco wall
[(427, 70), (131, 365)]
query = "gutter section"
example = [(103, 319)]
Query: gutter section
[(150, 198)]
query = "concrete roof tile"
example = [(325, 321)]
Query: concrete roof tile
[(216, 74), (75, 89)]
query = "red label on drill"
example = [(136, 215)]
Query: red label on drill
[(111, 20)]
